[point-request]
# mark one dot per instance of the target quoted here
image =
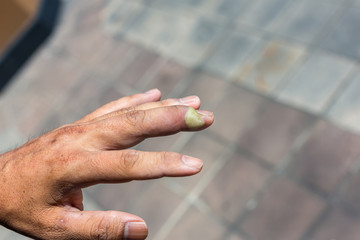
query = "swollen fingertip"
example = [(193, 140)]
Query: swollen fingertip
[(194, 119), (193, 163), (135, 231)]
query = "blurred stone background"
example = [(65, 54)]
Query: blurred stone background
[(282, 77)]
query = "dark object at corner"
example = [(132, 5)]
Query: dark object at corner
[(25, 45)]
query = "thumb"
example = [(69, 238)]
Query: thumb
[(107, 225)]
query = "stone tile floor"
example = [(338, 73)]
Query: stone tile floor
[(282, 160)]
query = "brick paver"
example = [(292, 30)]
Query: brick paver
[(167, 78), (203, 147), (162, 201), (316, 82), (274, 122), (339, 225), (344, 40), (303, 20), (349, 194), (266, 69), (234, 112), (326, 157), (232, 52), (263, 13), (284, 212), (343, 110), (228, 200), (193, 220), (209, 89)]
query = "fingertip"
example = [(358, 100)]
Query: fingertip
[(193, 163), (135, 231), (198, 119), (191, 101), (154, 92)]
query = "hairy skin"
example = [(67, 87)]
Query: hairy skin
[(41, 181)]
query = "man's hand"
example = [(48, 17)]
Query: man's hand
[(41, 182)]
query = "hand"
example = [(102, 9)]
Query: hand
[(41, 181)]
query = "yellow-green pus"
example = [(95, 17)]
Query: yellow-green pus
[(193, 119)]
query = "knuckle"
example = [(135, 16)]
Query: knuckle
[(101, 230), (164, 156), (130, 159), (129, 109), (167, 157), (168, 102), (133, 118)]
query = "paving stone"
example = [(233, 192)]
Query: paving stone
[(197, 225), (29, 73), (234, 112), (119, 16), (303, 20), (227, 59), (80, 45), (10, 138), (44, 78), (114, 60), (338, 225), (234, 236), (334, 1), (159, 143), (179, 7), (264, 70), (184, 38), (349, 193), (205, 148), (26, 106), (345, 39), (86, 96), (65, 26), (25, 111), (344, 109), (284, 212), (89, 203), (165, 32), (138, 68), (326, 156), (157, 26), (155, 206), (167, 78), (234, 186), (192, 48), (6, 234), (315, 83), (80, 103), (209, 89), (55, 79), (231, 8), (121, 197), (262, 13), (273, 134)]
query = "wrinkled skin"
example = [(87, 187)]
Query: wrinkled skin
[(41, 181)]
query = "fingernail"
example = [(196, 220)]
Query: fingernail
[(152, 91), (192, 162), (189, 100), (135, 231), (205, 113), (194, 119)]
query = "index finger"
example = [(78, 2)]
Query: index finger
[(128, 129)]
